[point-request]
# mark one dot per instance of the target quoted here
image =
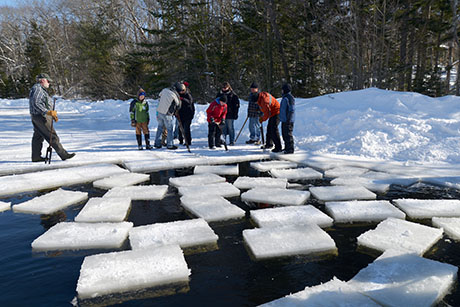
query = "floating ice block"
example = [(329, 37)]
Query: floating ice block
[(142, 192), (126, 271), (331, 193), (75, 236), (428, 208), (363, 211), (105, 209), (271, 242), (211, 208), (334, 293), (304, 173), (284, 216), (51, 202), (4, 206), (122, 180), (451, 226), (347, 171), (269, 165), (223, 170), (56, 178), (247, 183), (400, 235), (192, 180), (400, 279), (369, 184), (223, 189), (276, 196), (185, 233)]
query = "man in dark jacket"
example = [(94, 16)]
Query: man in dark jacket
[(42, 115), (233, 107), (287, 116), (185, 115)]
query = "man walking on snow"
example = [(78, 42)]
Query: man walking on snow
[(42, 115)]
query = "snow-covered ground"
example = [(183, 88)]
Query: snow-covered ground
[(368, 125)]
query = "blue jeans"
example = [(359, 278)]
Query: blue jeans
[(165, 121), (229, 130), (254, 128)]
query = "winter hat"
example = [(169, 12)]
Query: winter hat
[(223, 98), (44, 76), (254, 85), (141, 92), (286, 88), (179, 86)]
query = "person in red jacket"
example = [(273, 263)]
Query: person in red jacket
[(217, 111), (271, 109)]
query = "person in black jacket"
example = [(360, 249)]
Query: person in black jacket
[(186, 114), (233, 106)]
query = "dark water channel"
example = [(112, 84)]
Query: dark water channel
[(224, 277)]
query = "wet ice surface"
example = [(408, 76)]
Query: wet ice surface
[(51, 202), (105, 209), (276, 196), (401, 235), (131, 270), (223, 189), (75, 236), (4, 206), (241, 280), (450, 225), (285, 216), (144, 192), (303, 239), (211, 208), (120, 181), (334, 293), (399, 279), (337, 193), (428, 208), (363, 211), (186, 233), (224, 170)]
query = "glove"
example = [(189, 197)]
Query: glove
[(261, 120), (212, 119), (53, 114), (133, 123)]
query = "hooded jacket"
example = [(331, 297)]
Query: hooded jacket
[(268, 105), (169, 102), (139, 111), (216, 111)]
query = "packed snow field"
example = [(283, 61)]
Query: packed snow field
[(363, 141)]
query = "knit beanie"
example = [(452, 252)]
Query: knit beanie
[(254, 85)]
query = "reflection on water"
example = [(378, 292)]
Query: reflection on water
[(225, 276)]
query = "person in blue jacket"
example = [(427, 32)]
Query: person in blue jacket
[(287, 116)]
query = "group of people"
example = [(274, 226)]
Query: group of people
[(177, 103)]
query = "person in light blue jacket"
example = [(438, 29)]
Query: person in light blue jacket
[(287, 116)]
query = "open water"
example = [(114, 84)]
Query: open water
[(224, 277)]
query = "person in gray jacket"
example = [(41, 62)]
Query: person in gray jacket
[(42, 115), (167, 106)]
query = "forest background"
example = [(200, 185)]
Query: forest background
[(109, 48)]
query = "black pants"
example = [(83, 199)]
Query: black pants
[(273, 134), (214, 134), (42, 131), (186, 123), (286, 131)]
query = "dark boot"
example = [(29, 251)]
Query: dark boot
[(139, 141), (147, 141)]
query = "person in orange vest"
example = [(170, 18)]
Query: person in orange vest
[(271, 109)]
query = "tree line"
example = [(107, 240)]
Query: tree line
[(109, 48)]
